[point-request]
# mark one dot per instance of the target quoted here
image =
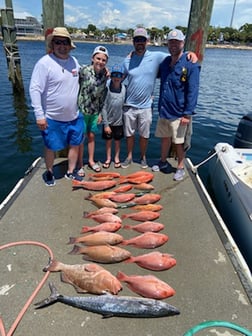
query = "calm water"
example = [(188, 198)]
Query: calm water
[(225, 96)]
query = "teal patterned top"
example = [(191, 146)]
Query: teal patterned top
[(93, 90)]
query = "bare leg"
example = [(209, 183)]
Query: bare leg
[(91, 148), (49, 159), (73, 153), (130, 146), (143, 147), (180, 154), (117, 150), (108, 149), (80, 156), (165, 146)]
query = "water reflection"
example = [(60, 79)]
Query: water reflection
[(21, 132)]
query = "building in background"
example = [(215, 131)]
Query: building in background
[(28, 26)]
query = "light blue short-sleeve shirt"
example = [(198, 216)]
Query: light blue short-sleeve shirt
[(141, 72)]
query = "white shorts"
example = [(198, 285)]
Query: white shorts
[(136, 119), (171, 129)]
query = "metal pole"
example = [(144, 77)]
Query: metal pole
[(232, 17), (196, 37)]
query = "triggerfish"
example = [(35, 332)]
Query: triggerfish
[(110, 305)]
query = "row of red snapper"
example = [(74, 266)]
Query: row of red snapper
[(99, 243)]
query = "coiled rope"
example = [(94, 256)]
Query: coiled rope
[(35, 292)]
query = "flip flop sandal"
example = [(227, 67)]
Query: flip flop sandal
[(106, 164), (95, 167), (117, 164)]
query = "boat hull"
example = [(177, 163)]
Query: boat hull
[(230, 179)]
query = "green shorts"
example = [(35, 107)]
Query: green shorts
[(91, 123)]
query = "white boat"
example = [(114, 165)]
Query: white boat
[(230, 180)]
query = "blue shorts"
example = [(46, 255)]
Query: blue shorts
[(60, 134), (91, 122)]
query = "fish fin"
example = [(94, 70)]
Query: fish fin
[(50, 300), (64, 278), (75, 250)]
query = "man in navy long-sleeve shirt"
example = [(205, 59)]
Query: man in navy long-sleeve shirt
[(179, 88)]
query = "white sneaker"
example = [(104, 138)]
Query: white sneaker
[(179, 175)]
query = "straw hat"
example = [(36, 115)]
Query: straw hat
[(60, 32)]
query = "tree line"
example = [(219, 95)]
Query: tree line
[(243, 35)]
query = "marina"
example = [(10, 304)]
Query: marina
[(210, 279), (210, 283)]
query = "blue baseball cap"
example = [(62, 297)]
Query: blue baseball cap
[(117, 68)]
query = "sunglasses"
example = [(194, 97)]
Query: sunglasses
[(116, 75), (139, 39), (62, 42)]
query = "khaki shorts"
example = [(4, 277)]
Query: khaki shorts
[(136, 119), (171, 129)]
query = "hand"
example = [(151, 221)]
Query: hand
[(99, 120), (42, 124), (107, 130), (185, 120), (191, 56)]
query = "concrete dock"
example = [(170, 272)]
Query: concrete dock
[(206, 283)]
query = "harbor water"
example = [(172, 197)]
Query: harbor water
[(225, 92)]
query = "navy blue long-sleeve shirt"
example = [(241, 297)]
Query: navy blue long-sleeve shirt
[(179, 88)]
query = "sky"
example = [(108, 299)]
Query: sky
[(124, 14)]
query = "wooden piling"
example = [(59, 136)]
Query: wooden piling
[(11, 48), (53, 16), (199, 19)]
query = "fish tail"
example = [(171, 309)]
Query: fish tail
[(52, 266), (120, 276), (129, 260), (126, 205), (75, 250), (85, 229), (85, 214), (88, 197), (72, 240), (141, 193), (51, 299), (127, 227)]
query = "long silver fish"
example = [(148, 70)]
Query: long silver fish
[(110, 305)]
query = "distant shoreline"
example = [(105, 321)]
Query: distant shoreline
[(209, 46)]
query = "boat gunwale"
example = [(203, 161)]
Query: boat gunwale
[(239, 264)]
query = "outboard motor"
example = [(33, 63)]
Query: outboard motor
[(243, 136)]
